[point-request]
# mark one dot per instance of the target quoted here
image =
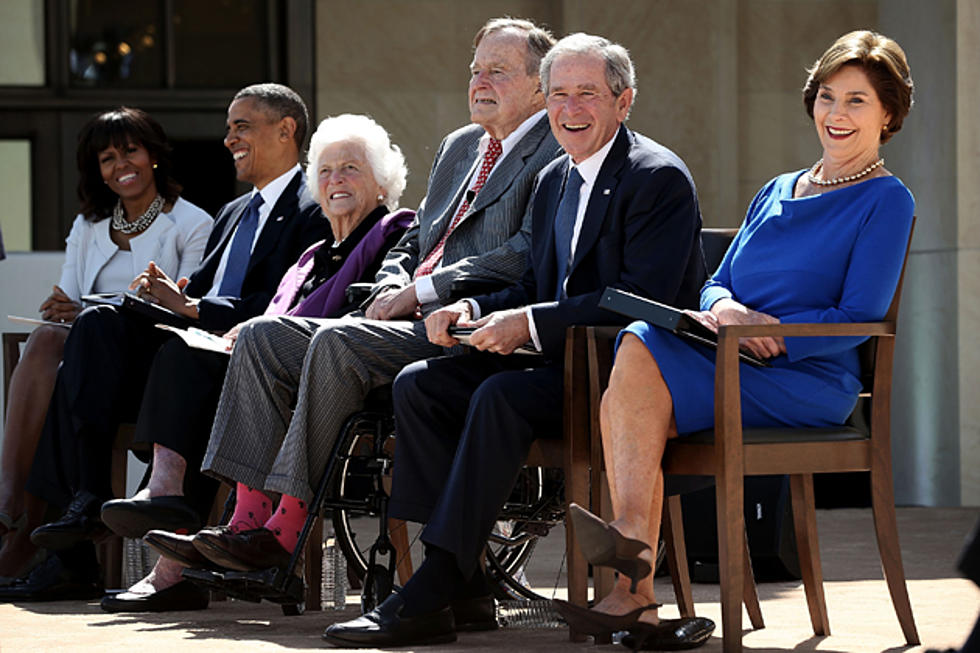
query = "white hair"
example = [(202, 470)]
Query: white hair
[(385, 158)]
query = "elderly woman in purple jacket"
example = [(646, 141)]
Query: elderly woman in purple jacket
[(357, 175)]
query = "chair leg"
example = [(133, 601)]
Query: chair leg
[(729, 497), (398, 533), (805, 527), (672, 530), (750, 594), (886, 529)]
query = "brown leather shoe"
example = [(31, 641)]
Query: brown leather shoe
[(177, 546), (244, 551)]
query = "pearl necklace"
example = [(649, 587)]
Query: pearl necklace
[(840, 180), (119, 222)]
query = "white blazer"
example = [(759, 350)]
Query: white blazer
[(175, 241)]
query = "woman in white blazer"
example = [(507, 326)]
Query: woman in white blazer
[(131, 214)]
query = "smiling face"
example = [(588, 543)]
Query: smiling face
[(128, 171), (348, 189), (583, 111), (502, 95), (260, 145), (849, 118)]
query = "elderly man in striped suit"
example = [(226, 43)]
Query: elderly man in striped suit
[(292, 383)]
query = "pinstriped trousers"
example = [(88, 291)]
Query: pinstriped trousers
[(291, 384)]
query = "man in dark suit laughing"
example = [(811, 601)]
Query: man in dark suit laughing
[(618, 210)]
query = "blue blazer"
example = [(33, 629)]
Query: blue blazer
[(294, 224), (641, 233)]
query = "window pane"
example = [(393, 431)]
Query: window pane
[(116, 43), (15, 189), (222, 43), (22, 35)]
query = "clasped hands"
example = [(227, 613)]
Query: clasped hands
[(728, 311), (155, 286), (500, 332)]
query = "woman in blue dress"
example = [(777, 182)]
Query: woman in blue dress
[(819, 245)]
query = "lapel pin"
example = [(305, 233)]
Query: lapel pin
[(605, 191), (279, 219)]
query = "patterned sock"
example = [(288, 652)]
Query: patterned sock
[(252, 509), (287, 522)]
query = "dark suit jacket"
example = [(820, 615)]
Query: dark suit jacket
[(491, 242), (641, 233), (294, 224)]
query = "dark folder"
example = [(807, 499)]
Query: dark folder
[(668, 317)]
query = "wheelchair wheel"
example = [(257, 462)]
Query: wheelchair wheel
[(522, 562), (360, 489)]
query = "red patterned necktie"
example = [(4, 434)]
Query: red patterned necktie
[(489, 159)]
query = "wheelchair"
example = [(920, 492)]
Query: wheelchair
[(353, 494)]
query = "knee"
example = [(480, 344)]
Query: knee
[(409, 384), (45, 344), (331, 336)]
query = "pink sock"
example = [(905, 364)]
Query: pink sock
[(287, 522), (252, 509)]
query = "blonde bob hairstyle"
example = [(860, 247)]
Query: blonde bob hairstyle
[(881, 59), (385, 158)]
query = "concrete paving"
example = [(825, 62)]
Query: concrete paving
[(861, 617)]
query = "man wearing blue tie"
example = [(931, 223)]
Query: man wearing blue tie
[(618, 210), (109, 351)]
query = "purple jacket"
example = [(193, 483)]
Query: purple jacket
[(330, 297)]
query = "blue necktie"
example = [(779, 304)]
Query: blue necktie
[(241, 249), (565, 226)]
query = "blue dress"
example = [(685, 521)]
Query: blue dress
[(833, 257)]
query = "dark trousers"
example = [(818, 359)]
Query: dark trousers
[(464, 425), (177, 411), (100, 384)]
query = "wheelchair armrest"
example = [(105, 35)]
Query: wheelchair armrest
[(473, 286), (358, 292)]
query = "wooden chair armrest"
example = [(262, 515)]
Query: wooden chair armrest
[(808, 329)]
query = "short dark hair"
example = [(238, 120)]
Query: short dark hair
[(881, 59), (539, 39), (282, 101), (118, 128)]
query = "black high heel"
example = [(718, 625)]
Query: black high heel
[(604, 546), (591, 622)]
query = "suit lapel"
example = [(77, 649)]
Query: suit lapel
[(508, 169), (209, 265), (462, 171), (602, 193)]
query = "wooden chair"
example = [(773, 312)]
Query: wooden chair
[(729, 453)]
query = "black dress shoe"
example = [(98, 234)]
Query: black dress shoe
[(80, 522), (177, 547), (245, 551), (477, 613), (182, 596), (670, 634), (384, 626), (134, 517), (51, 581)]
